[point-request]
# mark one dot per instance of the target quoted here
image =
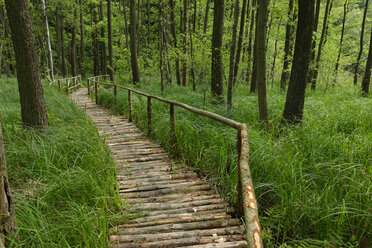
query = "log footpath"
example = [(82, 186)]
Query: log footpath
[(175, 208)]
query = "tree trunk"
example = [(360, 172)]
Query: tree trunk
[(48, 42), (2, 14), (261, 59), (356, 68), (174, 34), (95, 41), (217, 38), (250, 40), (109, 35), (126, 24), (367, 75), (7, 220), (82, 44), (33, 108), (294, 105), (206, 16), (320, 46), (148, 23), (133, 44), (184, 42), (275, 53), (73, 47), (288, 34), (232, 54), (103, 44), (254, 69), (240, 41), (139, 27), (341, 39), (60, 40)]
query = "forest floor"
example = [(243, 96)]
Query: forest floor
[(313, 182)]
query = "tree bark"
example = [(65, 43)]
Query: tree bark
[(7, 214), (103, 44), (133, 44), (109, 36), (73, 46), (288, 34), (320, 46), (250, 40), (82, 42), (184, 42), (96, 67), (367, 75), (206, 16), (33, 108), (126, 24), (60, 40), (2, 14), (275, 53), (240, 41), (232, 54), (48, 42), (254, 67), (174, 34), (356, 67), (341, 39), (217, 38), (261, 59), (294, 105)]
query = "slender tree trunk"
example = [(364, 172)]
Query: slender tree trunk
[(8, 223), (58, 35), (160, 45), (148, 23), (320, 46), (275, 53), (126, 24), (2, 14), (250, 41), (139, 27), (254, 69), (103, 44), (63, 62), (109, 35), (217, 38), (82, 42), (367, 75), (48, 42), (73, 47), (313, 44), (240, 41), (341, 39), (184, 42), (206, 16), (261, 59), (96, 68), (232, 54), (174, 34), (288, 34), (133, 44), (356, 67), (294, 105), (33, 108)]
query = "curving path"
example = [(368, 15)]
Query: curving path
[(175, 208)]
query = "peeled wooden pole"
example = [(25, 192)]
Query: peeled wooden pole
[(67, 86), (253, 229), (88, 86), (59, 85), (115, 94)]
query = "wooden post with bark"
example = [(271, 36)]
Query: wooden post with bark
[(130, 119), (173, 126), (149, 116), (59, 84), (96, 91)]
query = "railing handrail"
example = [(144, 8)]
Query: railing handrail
[(68, 88), (247, 203)]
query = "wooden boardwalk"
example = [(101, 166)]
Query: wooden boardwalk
[(175, 207)]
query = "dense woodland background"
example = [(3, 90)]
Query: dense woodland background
[(313, 181)]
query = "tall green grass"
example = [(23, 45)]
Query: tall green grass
[(313, 182), (62, 179)]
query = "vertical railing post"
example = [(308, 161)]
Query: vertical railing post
[(149, 116), (68, 86), (130, 106), (173, 126), (247, 197), (88, 86), (59, 85), (115, 94), (96, 91)]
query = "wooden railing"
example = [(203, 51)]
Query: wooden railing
[(74, 81), (247, 203)]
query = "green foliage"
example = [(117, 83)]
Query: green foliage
[(62, 179), (313, 182)]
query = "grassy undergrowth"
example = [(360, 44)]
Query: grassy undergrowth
[(62, 184), (313, 182)]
